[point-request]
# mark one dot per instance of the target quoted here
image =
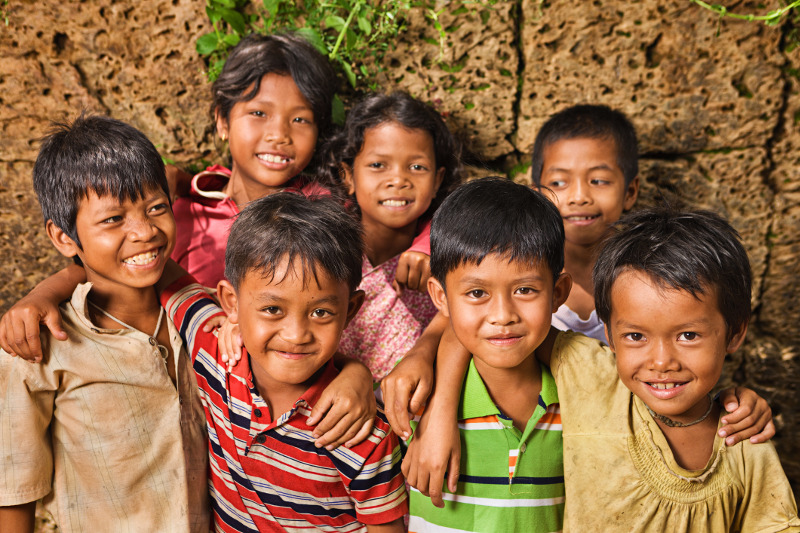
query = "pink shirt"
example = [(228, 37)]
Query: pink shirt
[(388, 324), (204, 220)]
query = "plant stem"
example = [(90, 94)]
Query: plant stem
[(722, 11), (344, 29)]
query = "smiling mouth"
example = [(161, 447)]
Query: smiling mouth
[(395, 203), (272, 158), (665, 386), (582, 218), (143, 258)]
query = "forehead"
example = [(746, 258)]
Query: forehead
[(297, 276), (91, 200), (587, 150), (499, 268), (635, 293), (392, 137), (279, 89)]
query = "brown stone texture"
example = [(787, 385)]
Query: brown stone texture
[(716, 104)]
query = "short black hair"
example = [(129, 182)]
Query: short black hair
[(98, 154), (318, 230), (496, 215), (377, 109), (690, 251), (593, 122), (289, 54)]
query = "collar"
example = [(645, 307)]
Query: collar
[(210, 182), (476, 402)]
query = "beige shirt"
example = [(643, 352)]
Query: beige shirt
[(619, 471), (100, 431)]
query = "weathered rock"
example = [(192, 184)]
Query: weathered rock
[(686, 86)]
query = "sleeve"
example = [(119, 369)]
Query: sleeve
[(27, 399), (378, 489), (768, 503), (190, 307), (422, 242)]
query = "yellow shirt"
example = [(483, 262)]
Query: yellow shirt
[(619, 471), (100, 431)]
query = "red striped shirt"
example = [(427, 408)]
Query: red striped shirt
[(267, 475)]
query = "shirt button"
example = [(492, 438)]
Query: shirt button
[(258, 413), (523, 448), (261, 438), (152, 341)]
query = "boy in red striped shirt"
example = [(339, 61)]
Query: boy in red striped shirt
[(293, 265)]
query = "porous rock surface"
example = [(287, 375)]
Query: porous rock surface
[(716, 104)]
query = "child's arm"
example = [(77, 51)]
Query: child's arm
[(18, 518), (749, 416), (432, 454), (392, 527), (346, 409), (178, 180), (408, 385), (20, 326), (414, 267)]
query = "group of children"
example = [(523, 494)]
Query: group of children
[(362, 241)]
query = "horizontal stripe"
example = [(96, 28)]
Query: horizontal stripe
[(500, 502), (417, 524)]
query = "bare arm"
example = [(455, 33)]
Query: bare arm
[(20, 326), (18, 518), (408, 385), (433, 454), (392, 527)]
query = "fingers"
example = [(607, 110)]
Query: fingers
[(752, 419), (729, 400), (363, 433), (396, 391), (401, 274), (213, 323), (765, 435), (413, 270), (53, 322), (453, 470)]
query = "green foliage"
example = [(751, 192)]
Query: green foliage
[(354, 34), (771, 18)]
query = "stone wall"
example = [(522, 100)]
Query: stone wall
[(716, 104)]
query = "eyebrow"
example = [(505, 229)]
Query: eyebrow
[(601, 166), (268, 297), (472, 280)]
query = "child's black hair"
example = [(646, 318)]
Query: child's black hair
[(496, 215), (318, 231), (593, 122), (286, 54), (399, 107), (93, 154), (690, 251)]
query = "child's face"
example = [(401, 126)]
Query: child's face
[(394, 176), (125, 244), (588, 185), (290, 324), (500, 310), (271, 136), (670, 345)]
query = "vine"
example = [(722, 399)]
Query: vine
[(772, 18)]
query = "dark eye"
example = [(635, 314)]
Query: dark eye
[(555, 184), (272, 310), (302, 120), (636, 337), (598, 181), (526, 290), (258, 113), (321, 313), (419, 167), (375, 165), (159, 208), (112, 220), (688, 335), (476, 293)]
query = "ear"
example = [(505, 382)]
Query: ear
[(437, 181), (355, 303), (229, 300), (221, 123), (631, 194), (561, 290), (737, 339), (346, 172), (63, 242), (438, 296)]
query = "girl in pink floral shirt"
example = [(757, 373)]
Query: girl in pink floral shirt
[(397, 159)]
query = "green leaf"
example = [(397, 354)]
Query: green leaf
[(334, 21), (235, 19), (272, 6), (206, 44), (337, 110), (232, 39), (348, 71), (313, 36), (364, 25)]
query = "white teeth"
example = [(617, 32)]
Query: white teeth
[(269, 158), (664, 386), (590, 217), (394, 203), (141, 259)]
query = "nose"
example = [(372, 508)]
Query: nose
[(662, 357), (399, 179), (141, 228), (295, 330), (501, 311), (278, 130), (578, 193)]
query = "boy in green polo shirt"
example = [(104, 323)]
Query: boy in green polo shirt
[(498, 280)]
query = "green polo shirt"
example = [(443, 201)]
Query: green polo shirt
[(509, 480)]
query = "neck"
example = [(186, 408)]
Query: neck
[(516, 390), (280, 396), (138, 308), (243, 192), (383, 243), (579, 261)]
